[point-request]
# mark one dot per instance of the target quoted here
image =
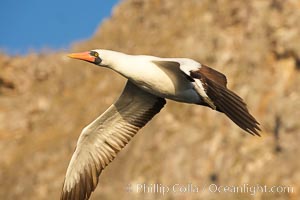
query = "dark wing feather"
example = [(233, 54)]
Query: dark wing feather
[(226, 101), (213, 75), (100, 141)]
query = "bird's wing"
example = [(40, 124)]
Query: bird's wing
[(100, 141), (211, 86)]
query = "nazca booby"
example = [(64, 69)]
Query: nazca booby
[(151, 80)]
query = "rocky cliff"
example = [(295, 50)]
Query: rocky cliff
[(46, 99)]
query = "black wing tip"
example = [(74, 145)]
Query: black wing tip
[(250, 125), (254, 130), (234, 107)]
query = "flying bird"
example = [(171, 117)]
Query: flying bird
[(151, 80)]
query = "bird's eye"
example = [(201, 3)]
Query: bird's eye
[(94, 53)]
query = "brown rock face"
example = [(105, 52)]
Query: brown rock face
[(46, 99)]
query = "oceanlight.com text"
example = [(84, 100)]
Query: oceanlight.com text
[(250, 189), (162, 189)]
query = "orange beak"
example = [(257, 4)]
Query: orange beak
[(86, 56)]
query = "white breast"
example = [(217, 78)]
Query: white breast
[(145, 74)]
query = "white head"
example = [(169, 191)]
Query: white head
[(99, 57)]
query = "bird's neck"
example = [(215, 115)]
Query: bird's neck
[(132, 67), (113, 59), (117, 61)]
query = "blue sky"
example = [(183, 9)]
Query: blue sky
[(49, 24)]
